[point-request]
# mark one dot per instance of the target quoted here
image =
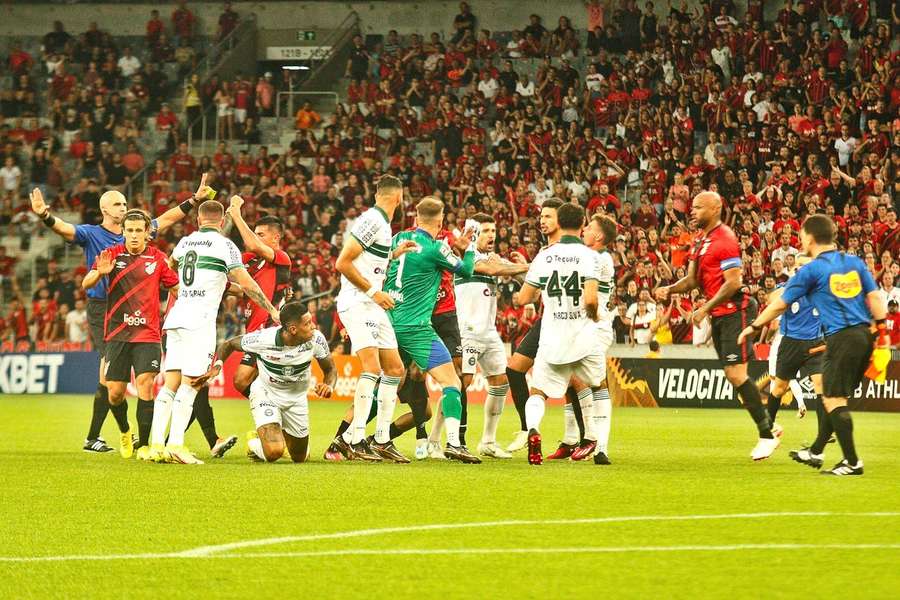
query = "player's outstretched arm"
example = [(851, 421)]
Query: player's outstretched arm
[(527, 294), (325, 388), (252, 243), (102, 267), (344, 264), (252, 290), (222, 353), (685, 284), (177, 213), (772, 312), (40, 208), (498, 268)]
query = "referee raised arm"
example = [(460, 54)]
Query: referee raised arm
[(844, 292), (94, 239)]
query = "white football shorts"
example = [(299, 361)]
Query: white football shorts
[(190, 350), (267, 407), (368, 326), (487, 351), (553, 380)]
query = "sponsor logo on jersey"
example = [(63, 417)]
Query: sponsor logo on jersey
[(121, 264), (846, 285), (150, 268), (135, 320)]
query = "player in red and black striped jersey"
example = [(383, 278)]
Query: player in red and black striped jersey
[(270, 267), (715, 268), (134, 273)]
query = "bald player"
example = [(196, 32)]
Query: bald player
[(715, 269), (94, 239)]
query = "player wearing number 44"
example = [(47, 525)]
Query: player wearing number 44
[(206, 260)]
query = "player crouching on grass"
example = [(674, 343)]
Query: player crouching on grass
[(134, 272), (278, 396)]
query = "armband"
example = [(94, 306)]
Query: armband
[(186, 207), (371, 291), (49, 220)]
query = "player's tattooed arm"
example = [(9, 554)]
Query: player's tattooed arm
[(224, 350), (251, 290), (329, 377), (499, 268), (591, 300)]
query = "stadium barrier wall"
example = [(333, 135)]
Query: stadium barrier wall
[(682, 383)]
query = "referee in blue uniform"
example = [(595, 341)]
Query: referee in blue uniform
[(94, 239), (844, 292)]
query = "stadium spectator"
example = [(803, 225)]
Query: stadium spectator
[(306, 117)]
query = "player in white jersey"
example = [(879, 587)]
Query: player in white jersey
[(362, 306), (205, 261), (278, 396), (564, 275), (476, 304)]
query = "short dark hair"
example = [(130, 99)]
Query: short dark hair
[(570, 216), (821, 228), (654, 346), (292, 312), (136, 214), (607, 227), (211, 210), (553, 203), (388, 184), (483, 218), (271, 222)]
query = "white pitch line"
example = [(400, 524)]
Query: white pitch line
[(206, 550), (216, 551), (437, 551)]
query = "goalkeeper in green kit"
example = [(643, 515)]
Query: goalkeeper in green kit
[(412, 282)]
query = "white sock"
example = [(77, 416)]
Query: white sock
[(256, 448), (534, 412), (182, 408), (586, 402), (571, 434), (435, 434), (794, 385), (387, 400), (493, 408), (162, 410), (602, 417), (362, 405)]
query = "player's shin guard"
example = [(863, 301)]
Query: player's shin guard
[(120, 413), (387, 400), (842, 422), (825, 428), (144, 421), (493, 408), (362, 404), (570, 436), (99, 411), (534, 412), (518, 387), (753, 403), (602, 416), (182, 408), (586, 402), (452, 407), (162, 411)]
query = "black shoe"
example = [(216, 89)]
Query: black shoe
[(339, 450), (845, 468), (805, 457), (99, 446), (601, 459), (462, 454), (361, 451), (387, 451)]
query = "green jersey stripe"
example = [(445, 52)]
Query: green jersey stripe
[(212, 267), (280, 369), (378, 253), (379, 250), (474, 279)]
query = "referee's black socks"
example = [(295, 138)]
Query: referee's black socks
[(825, 428), (772, 406), (101, 408), (120, 412), (749, 393), (842, 422)]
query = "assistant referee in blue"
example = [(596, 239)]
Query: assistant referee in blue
[(94, 239), (844, 292)]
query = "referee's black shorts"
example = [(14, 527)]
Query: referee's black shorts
[(725, 332), (144, 357), (96, 315), (531, 341), (847, 355), (798, 356), (446, 326)]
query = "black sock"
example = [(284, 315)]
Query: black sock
[(842, 422), (120, 412), (518, 386), (344, 426), (825, 428), (373, 411), (101, 408), (204, 413), (749, 393), (145, 421), (773, 405), (415, 394), (572, 398), (464, 417), (394, 432)]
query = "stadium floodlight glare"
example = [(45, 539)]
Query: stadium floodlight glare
[(296, 67)]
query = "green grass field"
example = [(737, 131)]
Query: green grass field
[(496, 530)]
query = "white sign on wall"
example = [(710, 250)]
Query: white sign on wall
[(297, 52)]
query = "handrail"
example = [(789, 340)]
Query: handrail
[(213, 56), (339, 33)]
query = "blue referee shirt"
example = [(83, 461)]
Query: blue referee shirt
[(95, 239), (836, 284), (801, 321)]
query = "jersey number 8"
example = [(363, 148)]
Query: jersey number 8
[(189, 268)]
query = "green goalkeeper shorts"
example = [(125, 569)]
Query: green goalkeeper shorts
[(422, 346)]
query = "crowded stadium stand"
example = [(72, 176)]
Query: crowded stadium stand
[(627, 109)]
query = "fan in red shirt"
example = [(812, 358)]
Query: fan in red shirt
[(134, 272), (715, 269), (270, 267)]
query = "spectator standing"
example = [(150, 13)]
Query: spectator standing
[(228, 20), (183, 23)]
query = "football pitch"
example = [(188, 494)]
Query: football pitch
[(682, 512)]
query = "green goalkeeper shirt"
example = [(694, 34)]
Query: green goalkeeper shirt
[(413, 279)]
